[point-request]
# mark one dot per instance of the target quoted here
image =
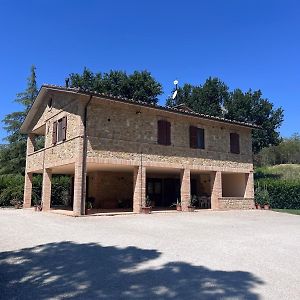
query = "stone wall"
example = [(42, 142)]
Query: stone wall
[(236, 203), (111, 189), (123, 131)]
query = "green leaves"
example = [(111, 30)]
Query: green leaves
[(205, 99), (214, 98), (12, 156), (138, 86)]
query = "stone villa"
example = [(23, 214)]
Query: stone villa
[(119, 152)]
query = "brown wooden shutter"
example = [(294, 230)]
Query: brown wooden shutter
[(234, 143), (64, 128), (160, 132), (193, 137), (167, 133), (201, 139), (54, 133)]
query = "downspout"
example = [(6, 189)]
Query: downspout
[(84, 156)]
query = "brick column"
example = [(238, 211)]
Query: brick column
[(79, 189), (249, 190), (28, 176), (30, 143), (27, 190), (139, 188), (46, 189), (216, 189), (185, 189)]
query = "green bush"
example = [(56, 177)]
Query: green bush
[(282, 193), (12, 189), (262, 196)]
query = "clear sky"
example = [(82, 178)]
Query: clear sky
[(247, 43)]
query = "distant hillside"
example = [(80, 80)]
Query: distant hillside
[(283, 171)]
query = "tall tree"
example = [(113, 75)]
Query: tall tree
[(139, 85), (13, 155), (206, 99), (252, 107)]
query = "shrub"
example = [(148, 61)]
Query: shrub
[(262, 196), (282, 193)]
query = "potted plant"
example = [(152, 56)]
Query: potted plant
[(16, 203), (147, 209), (262, 198), (177, 204), (88, 207), (193, 202)]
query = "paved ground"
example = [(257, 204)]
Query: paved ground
[(205, 255)]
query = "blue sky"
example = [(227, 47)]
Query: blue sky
[(248, 44)]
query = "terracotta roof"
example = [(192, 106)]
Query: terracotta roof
[(178, 109)]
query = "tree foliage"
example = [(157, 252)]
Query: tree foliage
[(206, 99), (287, 152), (214, 98), (138, 85), (253, 108), (13, 155)]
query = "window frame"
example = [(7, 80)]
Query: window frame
[(197, 137), (59, 133)]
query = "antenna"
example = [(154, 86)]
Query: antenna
[(174, 96)]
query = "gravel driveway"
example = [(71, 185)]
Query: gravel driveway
[(201, 255)]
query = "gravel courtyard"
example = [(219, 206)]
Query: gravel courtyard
[(201, 255)]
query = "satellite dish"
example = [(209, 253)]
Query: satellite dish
[(174, 95), (175, 81)]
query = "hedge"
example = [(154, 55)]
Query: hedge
[(283, 193)]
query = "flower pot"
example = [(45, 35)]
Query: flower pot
[(257, 206), (191, 208), (88, 211), (178, 207), (146, 210), (266, 206)]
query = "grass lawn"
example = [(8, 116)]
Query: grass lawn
[(289, 211)]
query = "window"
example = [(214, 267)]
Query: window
[(197, 138), (235, 143), (59, 132), (163, 132)]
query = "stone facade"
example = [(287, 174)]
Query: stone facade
[(108, 139)]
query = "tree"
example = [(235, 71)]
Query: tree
[(13, 155), (213, 98), (138, 86), (253, 108), (205, 99)]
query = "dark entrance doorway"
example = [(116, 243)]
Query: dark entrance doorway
[(163, 192)]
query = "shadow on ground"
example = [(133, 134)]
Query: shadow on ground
[(87, 271)]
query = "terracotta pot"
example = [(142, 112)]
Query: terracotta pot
[(191, 208), (147, 210), (88, 211), (258, 206), (267, 206), (178, 207)]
